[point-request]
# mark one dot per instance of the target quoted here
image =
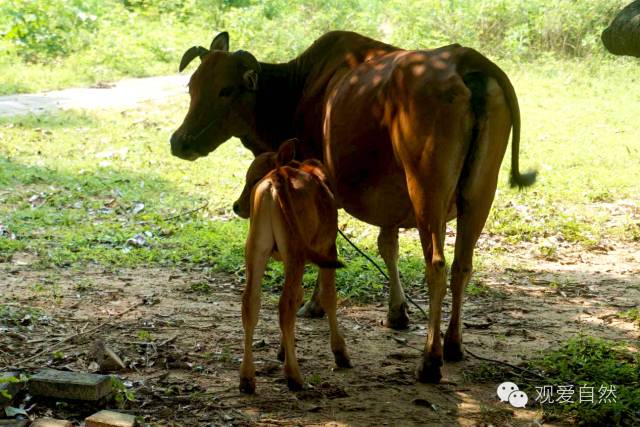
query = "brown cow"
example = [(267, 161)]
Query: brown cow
[(293, 218), (409, 138)]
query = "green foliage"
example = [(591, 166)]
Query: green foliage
[(71, 42), (22, 378), (46, 29), (121, 393), (592, 362), (144, 335)]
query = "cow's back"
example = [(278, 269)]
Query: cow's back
[(399, 96), (332, 55)]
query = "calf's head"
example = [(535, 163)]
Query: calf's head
[(222, 91), (260, 167)]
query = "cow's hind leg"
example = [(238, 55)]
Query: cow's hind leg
[(475, 196), (397, 317), (467, 235), (328, 299), (431, 189), (313, 307), (257, 252), (432, 239), (291, 294)]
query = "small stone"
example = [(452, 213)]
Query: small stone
[(110, 419), (107, 359), (51, 422), (69, 385), (14, 423)]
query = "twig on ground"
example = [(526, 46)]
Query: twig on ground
[(189, 212), (74, 336), (501, 362), (167, 341)]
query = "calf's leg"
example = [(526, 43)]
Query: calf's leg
[(291, 294), (257, 252)]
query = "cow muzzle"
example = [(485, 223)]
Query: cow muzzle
[(182, 147), (238, 210)]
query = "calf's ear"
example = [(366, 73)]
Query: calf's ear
[(286, 152)]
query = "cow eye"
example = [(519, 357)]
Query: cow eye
[(226, 91)]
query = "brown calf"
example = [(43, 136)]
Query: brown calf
[(293, 218)]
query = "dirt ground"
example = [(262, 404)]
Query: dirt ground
[(180, 334)]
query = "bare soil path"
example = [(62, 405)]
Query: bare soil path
[(122, 94), (183, 345)]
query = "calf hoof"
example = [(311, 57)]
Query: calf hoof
[(452, 350), (247, 385), (342, 360), (429, 371), (294, 385), (397, 317), (311, 310)]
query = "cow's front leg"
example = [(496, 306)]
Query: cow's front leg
[(313, 308), (397, 317)]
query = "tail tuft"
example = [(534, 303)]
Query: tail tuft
[(323, 261), (522, 180), (330, 264)]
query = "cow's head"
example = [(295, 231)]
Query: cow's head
[(222, 91), (260, 167)]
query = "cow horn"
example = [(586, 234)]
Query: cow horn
[(248, 60), (190, 55)]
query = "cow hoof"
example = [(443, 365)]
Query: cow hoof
[(311, 310), (452, 351), (294, 385), (429, 371), (342, 360), (247, 385), (281, 353), (397, 317)]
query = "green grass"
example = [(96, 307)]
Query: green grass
[(592, 362), (632, 315), (72, 183)]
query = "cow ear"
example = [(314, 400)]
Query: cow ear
[(286, 152), (250, 78), (220, 42)]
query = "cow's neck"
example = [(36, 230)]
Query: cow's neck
[(279, 92)]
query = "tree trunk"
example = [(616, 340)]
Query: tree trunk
[(622, 37)]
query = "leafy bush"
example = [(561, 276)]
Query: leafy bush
[(49, 28), (109, 39)]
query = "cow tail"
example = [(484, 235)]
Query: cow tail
[(473, 61), (283, 195)]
